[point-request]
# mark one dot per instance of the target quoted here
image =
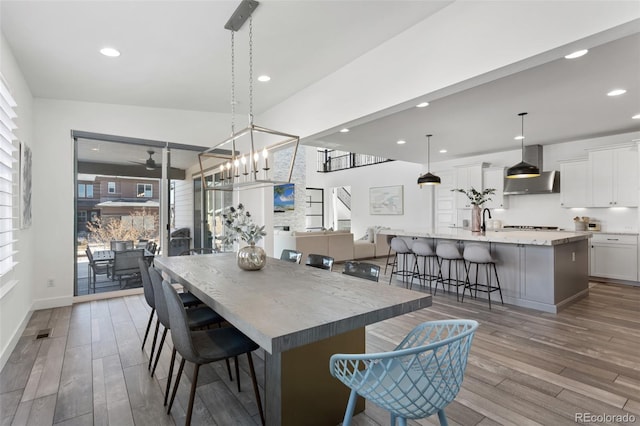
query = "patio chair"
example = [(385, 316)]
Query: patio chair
[(365, 270), (125, 265), (420, 377), (95, 268), (291, 255), (120, 245), (320, 261)]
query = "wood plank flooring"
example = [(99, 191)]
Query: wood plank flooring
[(525, 367)]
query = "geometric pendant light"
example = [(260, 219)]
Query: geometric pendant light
[(428, 178), (522, 169)]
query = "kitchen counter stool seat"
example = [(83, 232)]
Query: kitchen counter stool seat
[(449, 252), (476, 254), (422, 250), (401, 247)]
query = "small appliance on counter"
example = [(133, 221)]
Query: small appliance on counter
[(593, 226)]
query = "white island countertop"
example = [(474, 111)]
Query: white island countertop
[(527, 237)]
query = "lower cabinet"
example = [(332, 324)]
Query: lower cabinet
[(614, 256)]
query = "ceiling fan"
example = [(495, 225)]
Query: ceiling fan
[(150, 164)]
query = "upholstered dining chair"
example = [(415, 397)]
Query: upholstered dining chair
[(203, 347), (291, 255), (320, 261), (198, 317), (420, 377), (188, 300), (365, 270)]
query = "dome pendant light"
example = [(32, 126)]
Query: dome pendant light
[(522, 169), (428, 178)]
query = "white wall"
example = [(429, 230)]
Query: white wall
[(542, 209), (15, 305)]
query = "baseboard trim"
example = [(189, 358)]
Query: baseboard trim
[(8, 349), (54, 302), (107, 295)]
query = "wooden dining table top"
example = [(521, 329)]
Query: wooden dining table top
[(286, 305)]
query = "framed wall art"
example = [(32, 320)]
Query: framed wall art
[(386, 200)]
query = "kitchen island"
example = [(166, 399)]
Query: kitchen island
[(543, 270)]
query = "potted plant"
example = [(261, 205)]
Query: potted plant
[(477, 199), (239, 226)]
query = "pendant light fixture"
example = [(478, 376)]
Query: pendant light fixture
[(242, 166), (523, 169), (428, 178)]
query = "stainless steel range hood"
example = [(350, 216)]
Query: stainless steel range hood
[(546, 183)]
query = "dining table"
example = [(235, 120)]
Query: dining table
[(300, 316)]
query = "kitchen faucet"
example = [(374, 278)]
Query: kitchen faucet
[(484, 222)]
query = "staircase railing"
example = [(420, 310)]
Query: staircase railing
[(332, 161)]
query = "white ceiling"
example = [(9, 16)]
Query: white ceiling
[(176, 54)]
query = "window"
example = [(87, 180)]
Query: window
[(85, 190), (82, 216), (111, 187), (8, 176), (145, 190)]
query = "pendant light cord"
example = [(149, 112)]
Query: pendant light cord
[(233, 83), (429, 153), (250, 69), (522, 114)]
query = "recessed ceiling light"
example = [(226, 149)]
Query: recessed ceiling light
[(577, 54), (345, 130), (443, 151), (110, 52), (264, 78), (422, 104), (519, 137), (95, 149), (617, 92), (401, 142), (636, 117)]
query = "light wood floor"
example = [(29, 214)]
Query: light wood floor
[(525, 367)]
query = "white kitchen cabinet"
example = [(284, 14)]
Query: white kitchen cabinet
[(614, 256), (574, 184), (613, 177), (494, 178), (467, 177)]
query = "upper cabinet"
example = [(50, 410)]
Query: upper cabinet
[(613, 177), (494, 178), (467, 177), (574, 184)]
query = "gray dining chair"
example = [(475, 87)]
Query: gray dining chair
[(204, 347), (291, 255), (96, 268), (365, 270), (197, 318), (320, 261), (188, 300)]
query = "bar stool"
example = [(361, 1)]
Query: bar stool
[(400, 247), (449, 252), (476, 254), (422, 250), (389, 239)]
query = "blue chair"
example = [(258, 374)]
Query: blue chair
[(420, 377)]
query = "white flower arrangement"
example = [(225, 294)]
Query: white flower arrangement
[(239, 226), (477, 198)]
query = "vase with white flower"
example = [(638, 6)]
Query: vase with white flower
[(239, 226), (477, 199)]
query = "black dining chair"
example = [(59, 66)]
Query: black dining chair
[(320, 261), (365, 270), (204, 347), (291, 255)]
